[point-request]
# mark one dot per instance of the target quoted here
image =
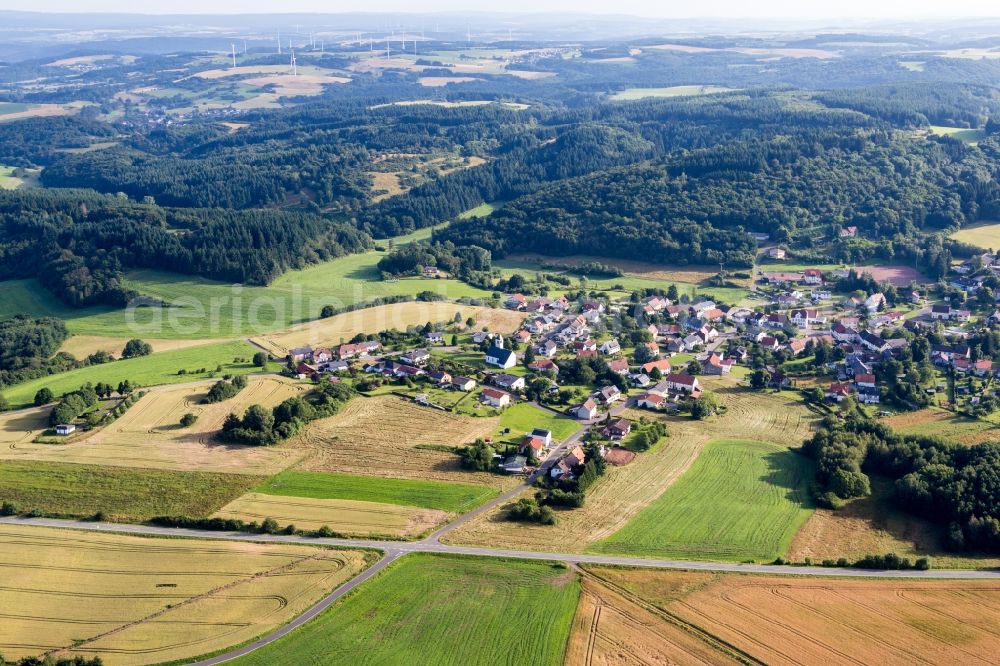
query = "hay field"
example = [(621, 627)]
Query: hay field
[(441, 610), (986, 236), (623, 492), (343, 327), (875, 525), (612, 629), (787, 620), (149, 434), (82, 346), (441, 81), (741, 500), (377, 437), (12, 111), (136, 600), (349, 517), (937, 422), (387, 184), (673, 91)]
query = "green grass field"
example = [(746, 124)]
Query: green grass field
[(673, 91), (122, 493), (13, 107), (160, 368), (970, 136), (441, 610), (453, 497), (741, 500), (986, 236), (523, 417)]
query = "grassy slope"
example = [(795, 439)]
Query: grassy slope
[(523, 417), (145, 371), (986, 236), (122, 493), (442, 610), (740, 500), (453, 497)]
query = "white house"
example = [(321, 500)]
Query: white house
[(65, 429), (587, 410), (682, 383), (610, 347), (495, 398)]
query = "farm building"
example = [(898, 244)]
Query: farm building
[(65, 429), (495, 398)]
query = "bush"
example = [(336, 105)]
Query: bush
[(188, 420), (8, 509), (43, 397), (135, 348), (527, 510), (260, 359)]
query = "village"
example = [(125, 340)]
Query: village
[(841, 338)]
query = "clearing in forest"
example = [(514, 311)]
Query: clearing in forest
[(138, 600)]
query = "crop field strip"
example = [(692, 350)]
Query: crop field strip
[(149, 435), (349, 517), (741, 500), (122, 493), (623, 492), (377, 437), (139, 600), (792, 620), (447, 610)]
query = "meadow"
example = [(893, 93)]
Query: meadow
[(624, 492), (445, 610), (970, 136), (123, 494), (796, 620), (149, 434), (450, 497), (137, 600), (383, 436), (741, 500), (523, 417), (986, 236), (346, 517), (149, 370), (937, 422)]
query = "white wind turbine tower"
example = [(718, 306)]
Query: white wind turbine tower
[(234, 55), (295, 69), (387, 50), (279, 42), (244, 47)]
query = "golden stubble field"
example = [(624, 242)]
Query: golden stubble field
[(343, 327), (82, 346), (149, 434), (790, 620), (624, 491), (378, 436), (139, 600), (364, 519)]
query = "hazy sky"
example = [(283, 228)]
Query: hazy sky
[(788, 9)]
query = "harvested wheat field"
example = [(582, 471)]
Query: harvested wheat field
[(138, 600), (624, 491), (379, 437), (149, 434), (82, 346), (304, 84), (611, 629), (343, 327), (787, 620), (348, 517), (19, 428)]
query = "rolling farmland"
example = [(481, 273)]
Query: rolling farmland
[(936, 422), (343, 327), (789, 620), (446, 610), (149, 434), (135, 600), (623, 492), (348, 517), (150, 370), (121, 493), (377, 437), (986, 236), (741, 500)]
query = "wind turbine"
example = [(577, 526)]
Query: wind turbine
[(295, 69), (469, 35), (244, 47), (234, 55), (387, 50), (279, 42)]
